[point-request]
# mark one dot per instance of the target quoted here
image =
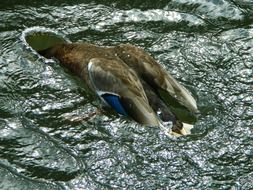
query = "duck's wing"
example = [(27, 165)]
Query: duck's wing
[(155, 75), (119, 87), (158, 105)]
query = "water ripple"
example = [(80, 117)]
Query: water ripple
[(51, 137)]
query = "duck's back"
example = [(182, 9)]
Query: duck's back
[(76, 56)]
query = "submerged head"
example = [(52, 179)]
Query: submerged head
[(39, 38)]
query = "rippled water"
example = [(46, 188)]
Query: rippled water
[(206, 44)]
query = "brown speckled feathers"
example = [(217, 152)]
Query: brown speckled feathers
[(128, 72)]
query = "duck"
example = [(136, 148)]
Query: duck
[(128, 80)]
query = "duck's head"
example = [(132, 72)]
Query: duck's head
[(36, 39)]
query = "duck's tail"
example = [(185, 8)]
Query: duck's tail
[(185, 130)]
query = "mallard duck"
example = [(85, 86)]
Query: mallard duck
[(127, 79)]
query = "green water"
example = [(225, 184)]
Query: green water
[(206, 44)]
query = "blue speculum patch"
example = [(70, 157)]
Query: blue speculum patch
[(115, 103)]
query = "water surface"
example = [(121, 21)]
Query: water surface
[(206, 44)]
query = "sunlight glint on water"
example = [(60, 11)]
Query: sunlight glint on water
[(206, 45)]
